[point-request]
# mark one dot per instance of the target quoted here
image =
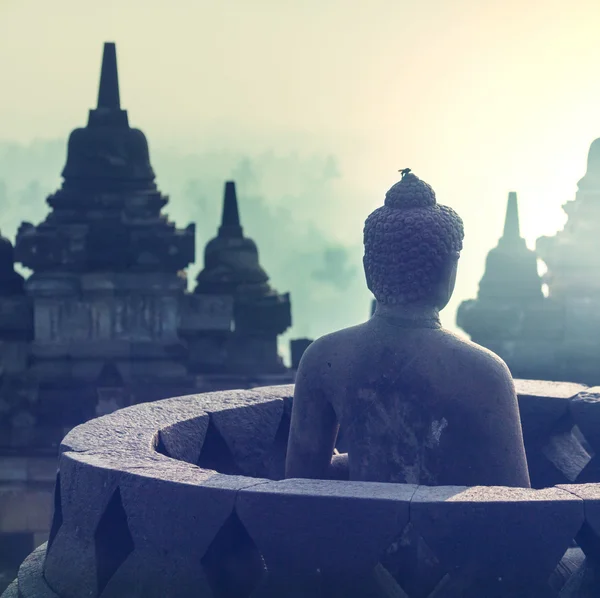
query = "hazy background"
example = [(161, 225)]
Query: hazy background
[(312, 106)]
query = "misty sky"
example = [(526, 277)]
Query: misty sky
[(314, 105)]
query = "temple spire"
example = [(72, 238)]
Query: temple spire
[(230, 222), (108, 92), (511, 222)]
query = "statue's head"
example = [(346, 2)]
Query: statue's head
[(412, 246)]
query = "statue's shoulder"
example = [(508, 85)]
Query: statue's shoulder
[(475, 359), (330, 350)]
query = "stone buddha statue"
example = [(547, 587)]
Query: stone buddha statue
[(416, 403)]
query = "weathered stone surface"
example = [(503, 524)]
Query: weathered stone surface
[(138, 424), (31, 579), (152, 574), (547, 388), (542, 404), (183, 440), (249, 433), (495, 533), (70, 566), (174, 515), (589, 536), (585, 408), (169, 516), (163, 499), (304, 525), (12, 591)]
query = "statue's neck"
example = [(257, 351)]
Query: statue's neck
[(409, 316)]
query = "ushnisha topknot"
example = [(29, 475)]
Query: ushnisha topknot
[(410, 192), (408, 242)]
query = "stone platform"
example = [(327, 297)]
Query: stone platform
[(185, 497)]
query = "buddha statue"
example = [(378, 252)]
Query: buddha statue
[(416, 403)]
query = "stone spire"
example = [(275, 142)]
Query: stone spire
[(231, 264), (108, 91), (230, 221), (108, 151), (511, 268), (512, 232), (510, 285)]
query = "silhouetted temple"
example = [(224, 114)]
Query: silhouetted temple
[(232, 271), (105, 319), (556, 337)]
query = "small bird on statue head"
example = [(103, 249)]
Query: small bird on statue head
[(404, 172)]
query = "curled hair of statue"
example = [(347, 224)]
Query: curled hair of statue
[(408, 243)]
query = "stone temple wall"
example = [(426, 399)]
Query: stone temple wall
[(184, 497)]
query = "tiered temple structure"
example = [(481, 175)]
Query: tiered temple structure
[(105, 319), (553, 337)]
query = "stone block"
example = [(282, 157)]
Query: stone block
[(31, 579), (492, 539), (115, 488), (585, 408), (300, 526), (542, 404), (172, 526), (85, 491)]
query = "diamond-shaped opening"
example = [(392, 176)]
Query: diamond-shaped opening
[(112, 539), (589, 542), (341, 442), (233, 565), (57, 517), (413, 564), (569, 565), (565, 451), (583, 440), (277, 454), (215, 453), (591, 472)]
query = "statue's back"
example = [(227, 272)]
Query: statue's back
[(422, 406)]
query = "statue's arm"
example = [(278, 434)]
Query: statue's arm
[(314, 425), (506, 463)]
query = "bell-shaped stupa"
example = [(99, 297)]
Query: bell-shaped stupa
[(107, 214)]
